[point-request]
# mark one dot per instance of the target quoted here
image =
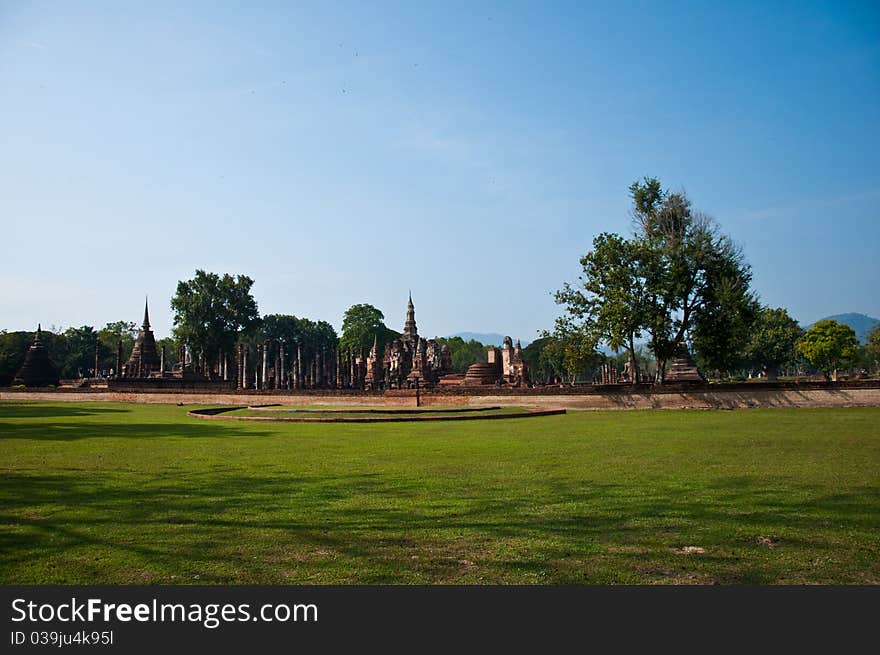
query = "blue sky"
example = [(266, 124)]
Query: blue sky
[(351, 152)]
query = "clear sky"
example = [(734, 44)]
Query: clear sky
[(345, 153)]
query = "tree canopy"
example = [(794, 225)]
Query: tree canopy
[(611, 302), (79, 358), (773, 341), (361, 324), (109, 337), (211, 311), (464, 353), (872, 348), (677, 280), (828, 345)]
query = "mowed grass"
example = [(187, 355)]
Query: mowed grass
[(141, 494), (399, 412)]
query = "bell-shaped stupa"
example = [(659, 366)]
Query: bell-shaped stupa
[(37, 369)]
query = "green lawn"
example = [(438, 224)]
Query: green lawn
[(118, 493), (393, 412)]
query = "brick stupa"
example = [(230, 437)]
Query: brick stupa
[(144, 356), (683, 369), (37, 369)]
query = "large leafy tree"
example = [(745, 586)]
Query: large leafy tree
[(573, 350), (697, 278), (13, 346), (79, 360), (544, 364), (212, 311), (611, 300), (722, 329), (829, 345), (773, 341), (677, 280), (361, 324)]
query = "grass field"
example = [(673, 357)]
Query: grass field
[(139, 494), (396, 412)]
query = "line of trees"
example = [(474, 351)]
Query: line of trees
[(72, 350), (676, 282), (212, 314)]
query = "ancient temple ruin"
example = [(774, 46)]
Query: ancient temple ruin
[(682, 369), (144, 359), (502, 367), (408, 361), (37, 369)]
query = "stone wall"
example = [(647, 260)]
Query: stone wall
[(865, 394)]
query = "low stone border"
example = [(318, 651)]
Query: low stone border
[(216, 413), (276, 407)]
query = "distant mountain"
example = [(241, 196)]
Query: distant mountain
[(487, 338), (861, 323)]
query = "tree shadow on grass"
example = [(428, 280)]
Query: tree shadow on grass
[(45, 431), (17, 422), (246, 528), (34, 410)]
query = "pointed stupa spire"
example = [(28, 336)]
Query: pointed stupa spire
[(144, 355), (375, 350), (410, 332)]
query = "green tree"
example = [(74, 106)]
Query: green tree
[(644, 361), (109, 337), (543, 365), (81, 344), (211, 312), (677, 280), (872, 348), (172, 351), (611, 301), (828, 345), (463, 353), (574, 348), (361, 324), (722, 330), (773, 341), (311, 337), (696, 278), (14, 345)]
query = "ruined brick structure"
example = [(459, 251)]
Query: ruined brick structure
[(144, 359), (682, 369), (502, 367), (409, 360), (37, 370)]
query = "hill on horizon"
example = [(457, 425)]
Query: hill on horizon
[(862, 324), (487, 338)]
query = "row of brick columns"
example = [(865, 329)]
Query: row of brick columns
[(321, 372)]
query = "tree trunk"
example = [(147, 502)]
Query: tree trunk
[(771, 373), (661, 371), (633, 376)]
